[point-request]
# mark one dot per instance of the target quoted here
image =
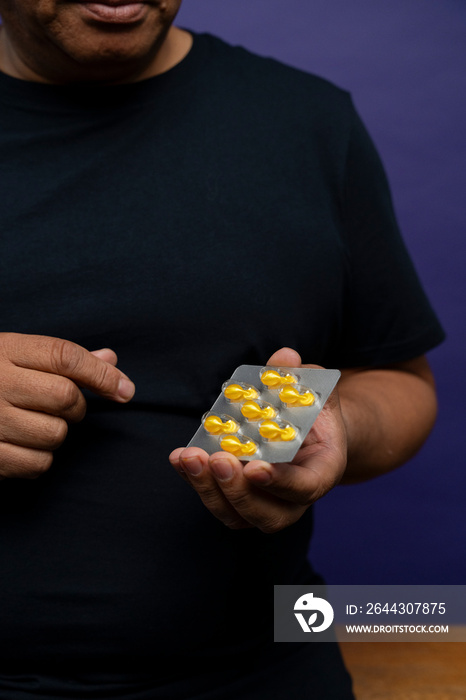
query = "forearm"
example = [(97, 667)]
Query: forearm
[(388, 415)]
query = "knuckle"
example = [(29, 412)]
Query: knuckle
[(105, 378), (56, 433), (211, 499), (41, 464), (214, 502), (67, 395), (300, 492), (66, 357), (273, 524), (240, 500), (29, 465)]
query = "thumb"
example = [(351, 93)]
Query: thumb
[(285, 357)]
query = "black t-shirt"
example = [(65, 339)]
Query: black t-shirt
[(192, 222)]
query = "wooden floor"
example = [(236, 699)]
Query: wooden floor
[(407, 670)]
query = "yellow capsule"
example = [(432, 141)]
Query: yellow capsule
[(291, 396), (274, 379), (272, 431), (216, 426), (252, 411), (236, 447), (236, 392)]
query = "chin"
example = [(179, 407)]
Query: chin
[(103, 55), (106, 53)]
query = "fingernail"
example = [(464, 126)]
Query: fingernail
[(126, 389), (193, 465), (222, 469), (97, 353)]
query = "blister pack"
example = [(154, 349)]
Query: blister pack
[(265, 412)]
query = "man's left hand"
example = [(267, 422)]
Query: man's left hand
[(270, 496)]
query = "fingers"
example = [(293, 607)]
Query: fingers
[(286, 481), (47, 393), (224, 490), (23, 462), (192, 464), (40, 395), (256, 506), (302, 484), (32, 430), (66, 359)]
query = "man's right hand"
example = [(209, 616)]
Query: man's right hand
[(39, 396)]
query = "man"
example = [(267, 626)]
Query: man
[(192, 207)]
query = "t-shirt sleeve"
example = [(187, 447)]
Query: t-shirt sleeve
[(388, 317)]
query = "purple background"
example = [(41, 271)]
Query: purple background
[(405, 63)]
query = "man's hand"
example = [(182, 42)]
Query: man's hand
[(375, 420), (270, 496), (39, 396)]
